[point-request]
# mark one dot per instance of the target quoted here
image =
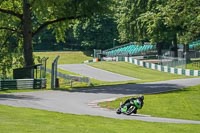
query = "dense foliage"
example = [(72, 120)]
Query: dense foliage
[(159, 21), (86, 24), (24, 19), (96, 32)]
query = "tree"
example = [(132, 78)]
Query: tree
[(96, 32), (26, 18), (154, 28), (127, 13), (184, 16), (159, 21), (183, 20)]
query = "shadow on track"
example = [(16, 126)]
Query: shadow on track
[(15, 97), (127, 89)]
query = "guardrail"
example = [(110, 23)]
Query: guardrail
[(74, 78), (71, 78), (162, 68), (196, 64), (22, 83)]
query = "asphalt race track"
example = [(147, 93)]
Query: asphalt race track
[(84, 101)]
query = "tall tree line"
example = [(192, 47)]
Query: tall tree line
[(24, 19), (159, 21), (93, 24), (27, 18), (96, 32)]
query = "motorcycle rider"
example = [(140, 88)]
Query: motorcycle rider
[(130, 101)]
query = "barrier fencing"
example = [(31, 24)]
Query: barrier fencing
[(172, 62), (54, 74), (31, 77), (22, 83), (173, 70), (72, 78)]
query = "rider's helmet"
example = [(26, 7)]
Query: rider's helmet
[(141, 98)]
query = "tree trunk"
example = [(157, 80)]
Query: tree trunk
[(27, 34), (159, 48), (186, 53), (175, 46)]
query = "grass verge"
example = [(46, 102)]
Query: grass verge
[(23, 120), (67, 57), (183, 104), (143, 74)]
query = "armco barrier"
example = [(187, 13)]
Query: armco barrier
[(74, 78), (22, 83), (172, 70), (71, 77)]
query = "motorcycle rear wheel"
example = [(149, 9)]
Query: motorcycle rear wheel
[(131, 110)]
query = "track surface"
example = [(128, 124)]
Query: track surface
[(95, 73), (84, 101)]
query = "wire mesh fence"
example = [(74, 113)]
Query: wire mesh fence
[(172, 62)]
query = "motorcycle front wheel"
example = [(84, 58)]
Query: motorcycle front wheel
[(118, 111)]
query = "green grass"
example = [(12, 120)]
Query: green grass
[(128, 69), (66, 57), (184, 104), (194, 64), (179, 104), (23, 120), (143, 74)]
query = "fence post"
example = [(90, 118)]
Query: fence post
[(44, 62), (52, 76), (54, 72)]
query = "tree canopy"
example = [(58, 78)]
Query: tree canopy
[(93, 24), (97, 32), (159, 21), (26, 18)]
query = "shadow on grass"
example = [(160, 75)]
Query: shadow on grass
[(88, 53), (183, 90)]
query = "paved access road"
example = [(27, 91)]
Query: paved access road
[(95, 73), (84, 101)]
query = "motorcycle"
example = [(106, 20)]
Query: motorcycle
[(130, 106)]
